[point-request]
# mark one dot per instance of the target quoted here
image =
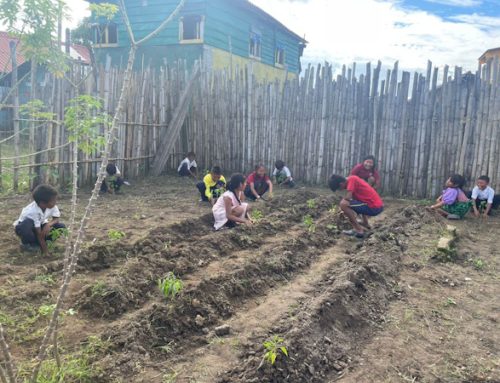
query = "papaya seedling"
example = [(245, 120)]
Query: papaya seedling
[(115, 235), (170, 286), (256, 215), (309, 222), (274, 347), (311, 204)]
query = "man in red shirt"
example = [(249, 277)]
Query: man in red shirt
[(360, 198)]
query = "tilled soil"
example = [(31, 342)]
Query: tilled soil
[(330, 298)]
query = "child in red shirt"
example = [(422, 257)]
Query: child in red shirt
[(360, 198), (258, 183)]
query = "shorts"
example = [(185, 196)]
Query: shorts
[(362, 208)]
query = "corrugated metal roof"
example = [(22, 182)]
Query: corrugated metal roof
[(76, 52), (5, 58)]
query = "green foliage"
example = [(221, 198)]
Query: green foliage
[(256, 215), (47, 279), (104, 10), (309, 222), (82, 34), (35, 109), (273, 348), (333, 209), (84, 120), (170, 286), (77, 367), (55, 234), (450, 302), (34, 23), (115, 235), (311, 204), (46, 310), (478, 264), (332, 227), (99, 289)]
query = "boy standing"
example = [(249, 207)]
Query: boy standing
[(212, 186), (33, 225), (483, 197), (283, 175), (188, 166), (360, 198)]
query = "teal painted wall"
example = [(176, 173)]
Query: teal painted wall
[(223, 18), (237, 22)]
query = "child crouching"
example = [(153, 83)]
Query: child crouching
[(453, 203), (229, 210), (33, 226), (212, 186)]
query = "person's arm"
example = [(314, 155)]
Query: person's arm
[(270, 188), (229, 211), (474, 195), (254, 192), (347, 196), (41, 240), (488, 208)]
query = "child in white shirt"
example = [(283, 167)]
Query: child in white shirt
[(283, 175), (188, 166), (484, 197), (39, 221)]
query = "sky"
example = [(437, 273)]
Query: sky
[(454, 32)]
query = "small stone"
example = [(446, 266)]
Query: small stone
[(199, 320), (222, 330), (467, 279), (328, 340), (337, 366), (205, 330), (195, 303), (311, 370)]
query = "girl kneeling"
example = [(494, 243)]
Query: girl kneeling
[(229, 210)]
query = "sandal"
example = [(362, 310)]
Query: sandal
[(353, 233)]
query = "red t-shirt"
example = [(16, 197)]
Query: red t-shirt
[(363, 192), (253, 178), (360, 171)]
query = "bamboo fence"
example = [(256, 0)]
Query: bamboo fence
[(422, 127)]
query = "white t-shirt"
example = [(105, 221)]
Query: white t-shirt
[(284, 171), (39, 217), (486, 194), (190, 164)]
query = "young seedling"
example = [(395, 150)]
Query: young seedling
[(273, 347), (115, 235), (311, 204), (450, 302), (478, 264), (55, 234), (333, 209), (256, 215), (309, 222), (170, 286)]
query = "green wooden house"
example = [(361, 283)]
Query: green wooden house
[(224, 33)]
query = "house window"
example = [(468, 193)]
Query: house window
[(255, 45), (105, 34), (279, 55), (191, 28)]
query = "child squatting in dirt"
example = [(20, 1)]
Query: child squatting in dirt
[(230, 210), (39, 221), (453, 203), (360, 198), (212, 186)]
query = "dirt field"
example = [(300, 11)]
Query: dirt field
[(380, 310)]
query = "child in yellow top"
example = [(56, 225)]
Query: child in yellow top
[(213, 185)]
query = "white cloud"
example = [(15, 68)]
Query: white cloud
[(458, 3), (342, 32)]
